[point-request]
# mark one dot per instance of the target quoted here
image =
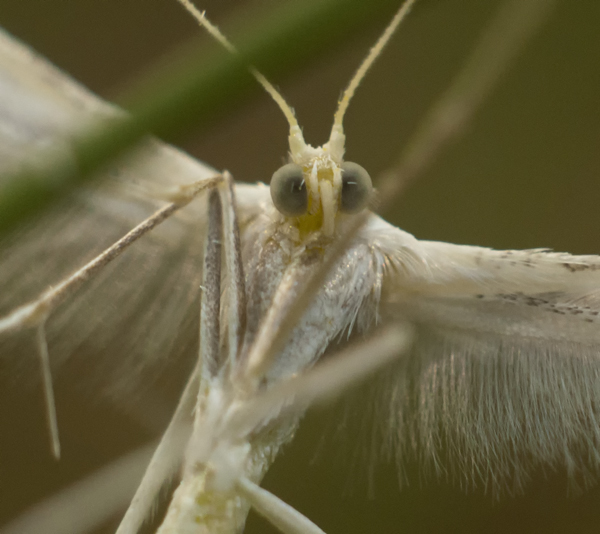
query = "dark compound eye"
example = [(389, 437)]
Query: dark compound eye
[(288, 190), (356, 188)]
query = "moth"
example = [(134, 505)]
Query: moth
[(545, 299)]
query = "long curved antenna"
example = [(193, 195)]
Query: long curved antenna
[(223, 41), (368, 62)]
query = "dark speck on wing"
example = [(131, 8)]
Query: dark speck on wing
[(574, 267), (547, 301)]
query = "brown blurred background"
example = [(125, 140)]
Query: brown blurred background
[(526, 174)]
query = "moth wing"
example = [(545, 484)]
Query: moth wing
[(505, 374), (141, 311)]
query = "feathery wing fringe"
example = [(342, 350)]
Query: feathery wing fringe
[(505, 374)]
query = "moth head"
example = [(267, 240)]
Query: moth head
[(318, 186)]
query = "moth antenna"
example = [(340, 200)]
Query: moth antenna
[(366, 65), (215, 33)]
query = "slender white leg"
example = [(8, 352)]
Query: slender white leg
[(210, 300), (234, 271), (37, 311), (200, 504), (280, 514), (326, 380)]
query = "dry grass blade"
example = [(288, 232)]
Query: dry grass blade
[(86, 505), (500, 42)]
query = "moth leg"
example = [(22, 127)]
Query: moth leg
[(234, 270), (36, 312), (291, 397), (221, 229), (222, 239), (327, 380), (210, 300), (285, 311), (324, 381), (215, 353), (283, 516)]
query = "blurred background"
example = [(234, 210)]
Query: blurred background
[(525, 175)]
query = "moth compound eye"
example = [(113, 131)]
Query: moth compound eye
[(288, 190), (356, 188)]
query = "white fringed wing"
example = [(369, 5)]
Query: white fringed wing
[(505, 374)]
